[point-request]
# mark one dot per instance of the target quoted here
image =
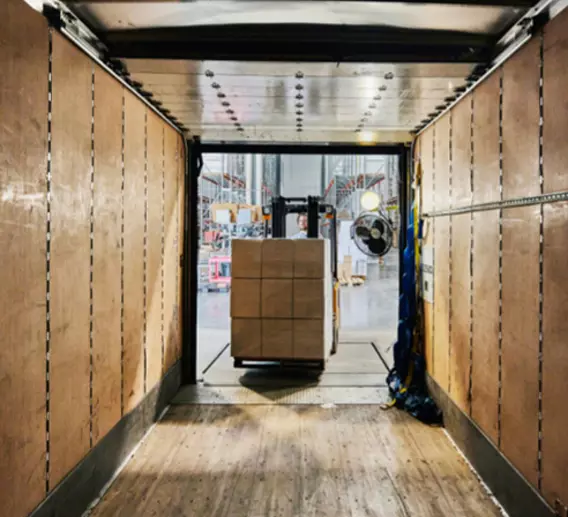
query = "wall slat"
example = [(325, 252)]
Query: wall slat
[(556, 104), (442, 165), (107, 254), (154, 251), (23, 159), (180, 214), (441, 300), (486, 140), (70, 258), (519, 417), (461, 153), (426, 141), (171, 258), (485, 368), (555, 361), (459, 339), (133, 380), (521, 76)]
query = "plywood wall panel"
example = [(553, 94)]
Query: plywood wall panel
[(521, 76), (70, 258), (461, 153), (426, 143), (154, 251), (133, 376), (486, 140), (556, 104), (23, 159), (441, 301), (428, 240), (171, 261), (107, 254), (442, 163), (485, 366), (181, 215), (519, 420), (460, 314), (555, 358)]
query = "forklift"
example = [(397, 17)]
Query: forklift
[(275, 227)]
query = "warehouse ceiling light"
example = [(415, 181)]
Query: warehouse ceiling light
[(370, 201), (367, 137)]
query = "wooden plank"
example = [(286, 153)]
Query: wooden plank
[(154, 252), (171, 261), (70, 258), (442, 163), (441, 301), (555, 360), (426, 143), (555, 104), (461, 153), (460, 314), (133, 374), (521, 75), (107, 255), (428, 239), (486, 140), (181, 215), (23, 159), (295, 461), (519, 412), (485, 367)]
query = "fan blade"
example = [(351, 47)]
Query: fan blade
[(362, 232), (377, 246)]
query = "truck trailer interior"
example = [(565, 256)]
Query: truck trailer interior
[(111, 116)]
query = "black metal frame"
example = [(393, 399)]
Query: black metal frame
[(295, 42), (189, 263), (190, 242)]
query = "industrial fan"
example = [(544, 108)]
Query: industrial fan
[(372, 233)]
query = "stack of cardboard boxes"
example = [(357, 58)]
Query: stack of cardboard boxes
[(281, 299)]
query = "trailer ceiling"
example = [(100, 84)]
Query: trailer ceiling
[(304, 71)]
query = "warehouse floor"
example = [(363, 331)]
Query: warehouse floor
[(369, 316)]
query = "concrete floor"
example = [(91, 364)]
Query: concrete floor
[(369, 315)]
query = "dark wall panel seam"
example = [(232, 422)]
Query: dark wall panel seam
[(145, 252), (48, 260), (500, 343), (541, 264), (91, 257), (122, 219)]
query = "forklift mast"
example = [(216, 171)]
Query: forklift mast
[(312, 207)]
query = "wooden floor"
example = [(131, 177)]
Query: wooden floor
[(300, 461)]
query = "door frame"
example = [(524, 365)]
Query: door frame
[(189, 260)]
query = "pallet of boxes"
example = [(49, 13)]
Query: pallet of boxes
[(281, 302)]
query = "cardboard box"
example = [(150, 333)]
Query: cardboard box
[(224, 213), (311, 258), (310, 339), (278, 258), (277, 338), (246, 338), (309, 296), (246, 258), (245, 298), (276, 298)]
